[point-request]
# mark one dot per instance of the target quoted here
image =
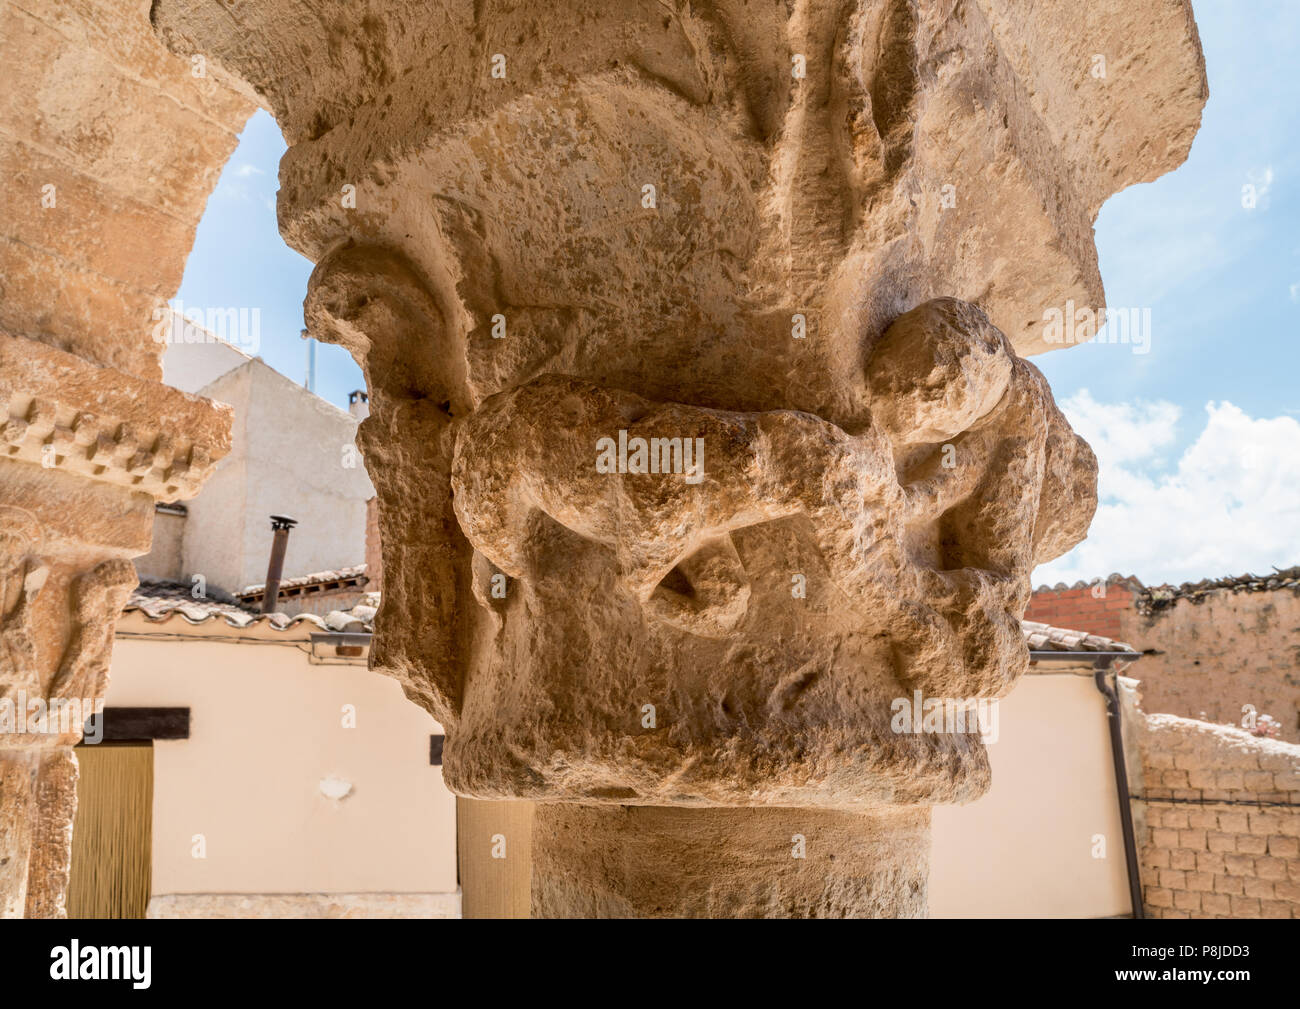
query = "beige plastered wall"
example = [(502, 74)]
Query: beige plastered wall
[(266, 728), (1026, 848), (1023, 850)]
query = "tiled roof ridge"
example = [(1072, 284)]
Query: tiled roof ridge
[(1045, 638), (1156, 597), (1159, 597), (1115, 578), (316, 577), (160, 601)]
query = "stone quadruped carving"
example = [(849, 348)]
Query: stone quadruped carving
[(968, 440), (921, 531), (916, 535), (795, 236)]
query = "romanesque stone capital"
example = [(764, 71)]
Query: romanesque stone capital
[(85, 453), (702, 428)]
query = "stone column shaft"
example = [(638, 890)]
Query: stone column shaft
[(729, 862)]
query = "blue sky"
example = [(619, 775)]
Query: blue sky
[(240, 260), (1198, 439)]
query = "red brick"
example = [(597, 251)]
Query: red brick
[(1258, 888), (1234, 823), (1228, 884), (1194, 839), (1287, 890)]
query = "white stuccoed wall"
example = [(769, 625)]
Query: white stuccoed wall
[(290, 453), (190, 366), (303, 462)]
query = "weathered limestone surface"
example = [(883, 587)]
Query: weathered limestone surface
[(814, 241), (109, 146), (658, 862), (84, 454)]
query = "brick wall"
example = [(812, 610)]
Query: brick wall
[(1218, 653), (1222, 837), (1209, 653), (1092, 608)]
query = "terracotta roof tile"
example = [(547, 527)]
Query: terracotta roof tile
[(1161, 597), (161, 601), (1042, 638), (315, 578)]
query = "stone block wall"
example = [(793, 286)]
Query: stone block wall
[(1222, 821), (1215, 655), (101, 203), (1211, 649)]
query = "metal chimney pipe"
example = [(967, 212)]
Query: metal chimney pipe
[(280, 526), (310, 383)]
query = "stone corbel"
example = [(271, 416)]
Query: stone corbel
[(372, 302)]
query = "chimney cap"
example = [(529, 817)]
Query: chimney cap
[(283, 522)]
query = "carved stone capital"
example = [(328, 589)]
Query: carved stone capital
[(810, 246), (85, 452)]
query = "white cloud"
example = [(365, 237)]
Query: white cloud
[(1261, 183), (245, 171), (1295, 292), (1230, 504), (1122, 432)]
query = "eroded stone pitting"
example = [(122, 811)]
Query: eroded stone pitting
[(915, 537)]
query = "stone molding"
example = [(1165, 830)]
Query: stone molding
[(63, 412), (305, 905)]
